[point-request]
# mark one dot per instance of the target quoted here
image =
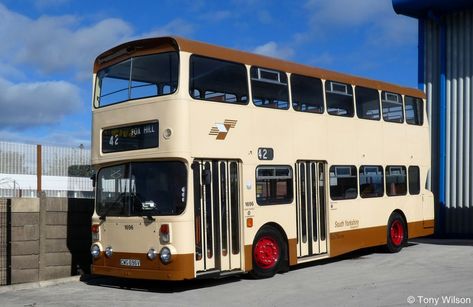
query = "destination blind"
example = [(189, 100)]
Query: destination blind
[(130, 137)]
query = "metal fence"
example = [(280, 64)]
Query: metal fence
[(5, 239), (17, 158), (28, 169)]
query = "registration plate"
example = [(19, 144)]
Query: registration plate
[(130, 262)]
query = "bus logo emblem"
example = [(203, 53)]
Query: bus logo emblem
[(221, 129)]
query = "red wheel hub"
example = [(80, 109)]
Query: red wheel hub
[(397, 233), (266, 252)]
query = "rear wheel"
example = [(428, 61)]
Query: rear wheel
[(396, 233), (269, 252)]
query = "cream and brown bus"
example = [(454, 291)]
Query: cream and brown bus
[(212, 161)]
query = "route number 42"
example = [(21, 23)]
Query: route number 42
[(113, 140), (265, 153)]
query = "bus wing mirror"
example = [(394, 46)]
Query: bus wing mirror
[(93, 178)]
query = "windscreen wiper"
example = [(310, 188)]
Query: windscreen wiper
[(103, 216)]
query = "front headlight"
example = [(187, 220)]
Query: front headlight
[(152, 254), (109, 251), (165, 255), (95, 250)]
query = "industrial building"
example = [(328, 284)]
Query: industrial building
[(445, 73)]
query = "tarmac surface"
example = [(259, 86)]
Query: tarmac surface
[(429, 272)]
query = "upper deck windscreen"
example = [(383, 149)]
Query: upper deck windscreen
[(137, 77)]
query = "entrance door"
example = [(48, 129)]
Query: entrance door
[(217, 215), (311, 208)]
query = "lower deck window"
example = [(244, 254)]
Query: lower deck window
[(396, 180), (371, 181), (343, 182), (414, 180), (274, 185)]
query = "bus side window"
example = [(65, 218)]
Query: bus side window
[(343, 182), (396, 180), (371, 181), (218, 80), (367, 103), (307, 94), (339, 98), (414, 110), (392, 107), (269, 88), (274, 185), (414, 180)]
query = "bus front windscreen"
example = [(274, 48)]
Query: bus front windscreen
[(136, 78), (142, 189)]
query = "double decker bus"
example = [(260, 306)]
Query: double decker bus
[(212, 161)]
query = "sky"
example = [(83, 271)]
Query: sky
[(48, 48)]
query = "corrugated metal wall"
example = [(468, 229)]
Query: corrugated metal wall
[(448, 81)]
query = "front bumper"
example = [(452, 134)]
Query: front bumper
[(181, 267)]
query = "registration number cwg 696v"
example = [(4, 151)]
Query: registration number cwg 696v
[(130, 262)]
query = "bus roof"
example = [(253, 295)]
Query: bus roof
[(163, 44)]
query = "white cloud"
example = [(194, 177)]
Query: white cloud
[(7, 69), (57, 44), (67, 138), (272, 49), (176, 26), (395, 30), (377, 17), (217, 16), (324, 59), (347, 12), (58, 138), (25, 105)]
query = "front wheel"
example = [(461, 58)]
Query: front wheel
[(268, 253), (396, 232)]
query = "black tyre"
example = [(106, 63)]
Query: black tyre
[(269, 253), (396, 233)]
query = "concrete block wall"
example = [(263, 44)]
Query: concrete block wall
[(50, 238), (25, 233), (65, 237)]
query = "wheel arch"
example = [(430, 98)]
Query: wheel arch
[(278, 227), (401, 213)]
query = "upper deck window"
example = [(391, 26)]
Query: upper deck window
[(414, 110), (137, 77), (269, 88), (392, 107), (307, 94), (339, 98), (217, 80), (367, 103)]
